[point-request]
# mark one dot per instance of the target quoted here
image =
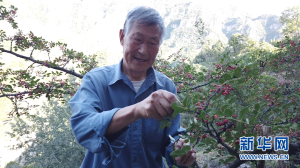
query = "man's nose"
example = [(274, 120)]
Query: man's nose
[(143, 48)]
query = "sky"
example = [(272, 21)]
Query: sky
[(256, 7), (60, 11), (253, 7)]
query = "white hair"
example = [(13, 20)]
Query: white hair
[(145, 16)]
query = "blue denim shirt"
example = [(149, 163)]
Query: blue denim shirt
[(103, 92)]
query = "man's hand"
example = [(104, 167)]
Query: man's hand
[(189, 158), (156, 105)]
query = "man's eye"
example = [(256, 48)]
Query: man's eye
[(152, 43), (138, 40)]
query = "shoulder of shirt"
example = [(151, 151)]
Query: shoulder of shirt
[(102, 70)]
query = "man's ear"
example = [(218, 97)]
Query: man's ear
[(121, 36)]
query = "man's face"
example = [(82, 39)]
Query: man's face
[(140, 47)]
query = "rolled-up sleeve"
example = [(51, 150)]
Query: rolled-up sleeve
[(89, 122)]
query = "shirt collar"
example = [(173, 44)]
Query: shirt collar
[(119, 75)]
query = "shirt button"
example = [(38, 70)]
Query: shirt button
[(134, 159)]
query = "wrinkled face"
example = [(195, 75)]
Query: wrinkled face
[(140, 47)]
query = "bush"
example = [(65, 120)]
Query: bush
[(48, 138), (12, 165)]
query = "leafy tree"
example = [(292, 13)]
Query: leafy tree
[(47, 73), (238, 42), (237, 99), (290, 18), (211, 53)]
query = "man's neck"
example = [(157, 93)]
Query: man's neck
[(134, 76)]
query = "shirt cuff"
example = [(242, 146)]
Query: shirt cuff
[(113, 143)]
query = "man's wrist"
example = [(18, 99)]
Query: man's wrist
[(136, 112)]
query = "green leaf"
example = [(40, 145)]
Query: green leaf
[(186, 101), (255, 112), (240, 127), (164, 123), (227, 96), (186, 148), (252, 120), (221, 81), (202, 114), (232, 100), (241, 80), (229, 113), (227, 134), (177, 107), (178, 153), (278, 95), (249, 73), (227, 76), (285, 106), (224, 107), (229, 159), (242, 113), (219, 113), (256, 106), (238, 72), (10, 87)]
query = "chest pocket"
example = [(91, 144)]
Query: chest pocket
[(151, 133)]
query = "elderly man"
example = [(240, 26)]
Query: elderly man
[(116, 110)]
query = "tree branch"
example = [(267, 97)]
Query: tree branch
[(265, 112), (66, 63), (207, 103), (195, 87), (29, 66), (38, 62), (14, 94), (285, 122), (31, 53)]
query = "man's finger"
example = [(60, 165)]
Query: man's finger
[(190, 160), (183, 160), (158, 113), (187, 160), (166, 105), (179, 144), (169, 96)]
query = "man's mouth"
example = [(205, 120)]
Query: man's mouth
[(140, 60)]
